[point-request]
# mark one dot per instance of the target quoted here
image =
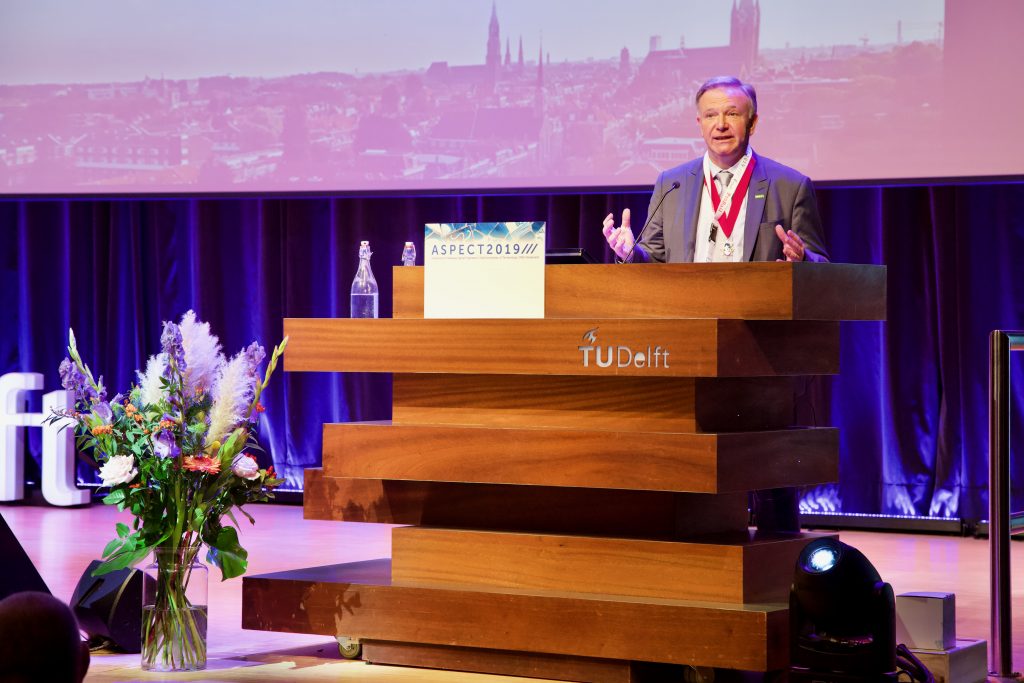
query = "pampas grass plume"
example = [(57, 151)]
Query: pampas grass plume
[(231, 396), (149, 381), (203, 357)]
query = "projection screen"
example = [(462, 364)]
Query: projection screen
[(194, 96)]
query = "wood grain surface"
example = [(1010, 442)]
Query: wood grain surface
[(852, 291), (728, 570), (526, 664), (674, 404), (658, 348), (360, 602), (635, 514), (604, 459), (750, 291)]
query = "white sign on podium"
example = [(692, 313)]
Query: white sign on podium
[(484, 270)]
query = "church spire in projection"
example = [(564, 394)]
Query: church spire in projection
[(493, 41), (540, 76), (540, 62), (745, 31)]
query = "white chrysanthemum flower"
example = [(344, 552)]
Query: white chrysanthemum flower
[(149, 381), (231, 396), (118, 469), (203, 357)]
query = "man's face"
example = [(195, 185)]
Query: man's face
[(725, 124)]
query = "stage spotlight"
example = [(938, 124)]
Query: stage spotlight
[(842, 617)]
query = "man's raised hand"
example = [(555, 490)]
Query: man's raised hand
[(620, 239), (792, 246)]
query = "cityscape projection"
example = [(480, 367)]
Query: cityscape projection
[(367, 95)]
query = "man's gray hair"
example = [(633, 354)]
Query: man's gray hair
[(729, 82)]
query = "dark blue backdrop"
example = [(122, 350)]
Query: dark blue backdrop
[(910, 402)]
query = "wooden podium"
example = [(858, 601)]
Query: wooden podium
[(576, 486)]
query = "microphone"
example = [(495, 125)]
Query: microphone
[(639, 237)]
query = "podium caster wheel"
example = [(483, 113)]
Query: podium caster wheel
[(349, 648)]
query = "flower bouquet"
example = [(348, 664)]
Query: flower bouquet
[(176, 452)]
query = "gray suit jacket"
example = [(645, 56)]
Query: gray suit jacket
[(777, 195)]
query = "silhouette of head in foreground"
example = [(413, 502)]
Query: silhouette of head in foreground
[(40, 640)]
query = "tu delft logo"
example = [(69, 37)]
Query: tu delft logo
[(618, 355)]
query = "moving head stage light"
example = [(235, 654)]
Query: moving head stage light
[(842, 617)]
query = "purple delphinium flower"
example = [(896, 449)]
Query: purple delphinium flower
[(75, 381), (171, 344), (164, 444), (71, 378), (102, 411), (254, 355)]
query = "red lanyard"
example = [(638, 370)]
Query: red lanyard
[(727, 221)]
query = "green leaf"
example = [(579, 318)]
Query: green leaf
[(226, 553), (126, 542), (114, 497), (198, 518), (112, 546), (231, 446), (122, 560)]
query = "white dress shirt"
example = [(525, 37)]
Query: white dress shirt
[(703, 247)]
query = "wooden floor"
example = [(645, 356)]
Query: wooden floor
[(61, 543)]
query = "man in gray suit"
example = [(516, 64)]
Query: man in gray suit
[(729, 205), (693, 214)]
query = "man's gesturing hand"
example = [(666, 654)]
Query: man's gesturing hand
[(620, 239), (792, 245)]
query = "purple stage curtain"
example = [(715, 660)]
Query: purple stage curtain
[(911, 402)]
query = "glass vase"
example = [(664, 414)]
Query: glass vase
[(174, 611)]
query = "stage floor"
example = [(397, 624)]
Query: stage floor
[(62, 542)]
